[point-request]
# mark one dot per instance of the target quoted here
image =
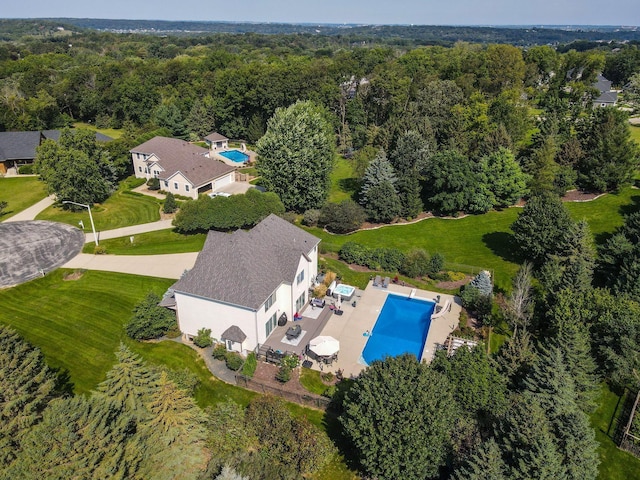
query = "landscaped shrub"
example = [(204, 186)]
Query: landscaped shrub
[(330, 391), (290, 217), (342, 217), (388, 259), (220, 351), (170, 204), (150, 320), (291, 361), (320, 291), (99, 250), (329, 277), (203, 338), (352, 252), (233, 361), (311, 217), (416, 263), (250, 365), (153, 183), (26, 170), (133, 182), (436, 264), (227, 213), (284, 373)]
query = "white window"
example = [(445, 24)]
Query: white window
[(270, 301), (300, 277), (270, 325), (186, 187), (139, 169), (175, 185), (166, 183)]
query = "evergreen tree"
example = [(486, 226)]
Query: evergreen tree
[(620, 258), (486, 463), (410, 159), (383, 203), (170, 204), (409, 194), (505, 179), (149, 319), (527, 441), (201, 119), (78, 437), (541, 226), (26, 387), (398, 415), (378, 171), (174, 435), (129, 384), (571, 267)]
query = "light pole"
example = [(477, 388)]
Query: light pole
[(88, 207)]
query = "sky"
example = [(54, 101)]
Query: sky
[(418, 12)]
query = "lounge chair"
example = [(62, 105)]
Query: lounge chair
[(293, 332), (377, 281), (386, 281), (318, 302)]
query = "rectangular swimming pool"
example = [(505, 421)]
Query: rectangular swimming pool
[(235, 156), (402, 327)]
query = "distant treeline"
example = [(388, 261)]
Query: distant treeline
[(388, 34)]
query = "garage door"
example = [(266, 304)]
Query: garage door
[(221, 182)]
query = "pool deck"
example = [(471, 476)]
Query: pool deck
[(349, 327), (251, 154)]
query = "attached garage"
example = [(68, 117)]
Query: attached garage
[(222, 181)]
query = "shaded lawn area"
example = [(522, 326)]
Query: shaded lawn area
[(122, 209), (109, 132), (615, 463), (20, 193), (79, 324), (343, 182), (635, 133), (152, 243)]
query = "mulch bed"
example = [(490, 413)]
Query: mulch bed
[(453, 285), (579, 196), (266, 374)]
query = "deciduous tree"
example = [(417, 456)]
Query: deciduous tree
[(296, 156)]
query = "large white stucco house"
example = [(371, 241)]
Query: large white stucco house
[(243, 282), (182, 168)]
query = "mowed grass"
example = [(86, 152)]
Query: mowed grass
[(77, 324), (152, 243), (343, 181), (615, 464), (635, 133), (122, 209), (20, 193)]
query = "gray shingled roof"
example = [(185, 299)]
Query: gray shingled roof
[(245, 267), (234, 333), (22, 145), (215, 137), (607, 97), (18, 145), (602, 84), (176, 155)]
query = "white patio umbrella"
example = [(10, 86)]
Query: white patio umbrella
[(339, 303), (324, 346)]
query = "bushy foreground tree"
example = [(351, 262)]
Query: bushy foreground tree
[(76, 168), (150, 320), (295, 155), (398, 416)]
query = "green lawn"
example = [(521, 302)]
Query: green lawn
[(79, 324), (615, 463), (343, 182), (635, 133), (20, 193), (122, 209), (152, 243), (109, 132)]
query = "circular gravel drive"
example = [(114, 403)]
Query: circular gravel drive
[(30, 249)]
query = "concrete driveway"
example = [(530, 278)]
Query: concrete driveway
[(162, 266)]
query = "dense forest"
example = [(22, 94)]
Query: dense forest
[(453, 128)]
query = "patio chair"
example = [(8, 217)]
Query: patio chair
[(293, 332), (377, 281), (386, 281)]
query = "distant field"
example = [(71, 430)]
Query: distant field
[(20, 193), (109, 132)]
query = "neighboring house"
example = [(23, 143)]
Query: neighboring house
[(182, 168), (217, 141), (242, 283), (19, 148), (607, 97)]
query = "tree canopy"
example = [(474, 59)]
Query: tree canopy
[(296, 155)]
